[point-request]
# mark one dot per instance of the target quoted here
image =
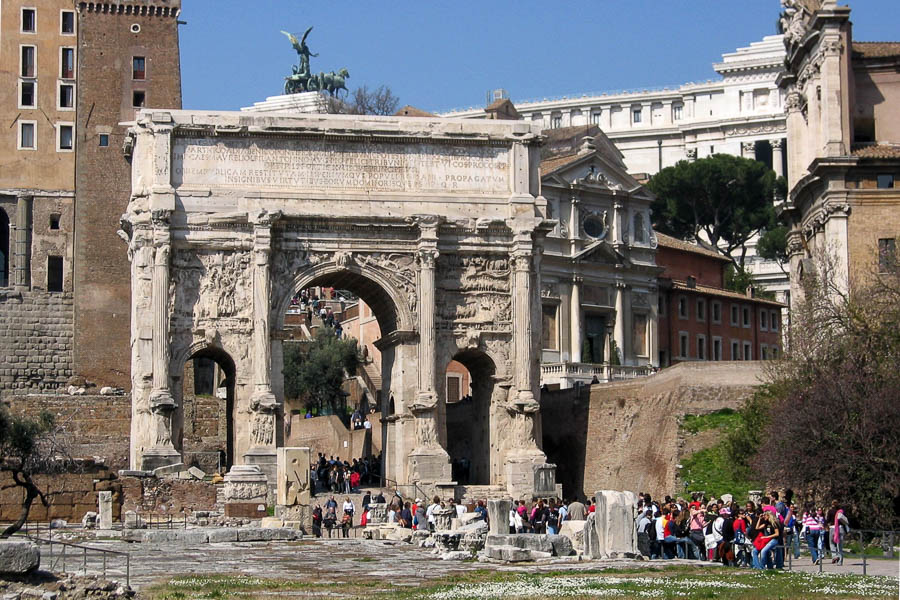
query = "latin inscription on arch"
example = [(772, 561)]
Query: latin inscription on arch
[(348, 166)]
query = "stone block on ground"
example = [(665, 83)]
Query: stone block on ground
[(197, 473), (525, 541), (105, 504), (271, 523), (574, 530), (399, 534), (562, 545), (456, 555), (498, 515), (513, 554), (613, 526), (222, 535), (19, 557), (293, 476), (169, 469)]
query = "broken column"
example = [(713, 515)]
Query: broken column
[(498, 515), (105, 500), (612, 531)]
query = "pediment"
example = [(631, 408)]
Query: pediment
[(601, 252), (591, 170)]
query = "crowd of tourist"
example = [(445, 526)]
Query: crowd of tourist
[(309, 302), (756, 535), (345, 477)]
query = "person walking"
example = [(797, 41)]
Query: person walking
[(812, 529)]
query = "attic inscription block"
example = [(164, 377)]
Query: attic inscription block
[(349, 166)]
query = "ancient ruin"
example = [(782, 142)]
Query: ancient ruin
[(436, 224)]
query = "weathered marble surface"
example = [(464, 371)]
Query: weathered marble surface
[(293, 476)]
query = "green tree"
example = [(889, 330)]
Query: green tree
[(827, 422), (772, 245), (29, 447), (316, 375), (720, 202)]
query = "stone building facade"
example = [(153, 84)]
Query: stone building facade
[(842, 100), (70, 73), (437, 225), (37, 87), (742, 114)]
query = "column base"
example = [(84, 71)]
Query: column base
[(267, 461), (154, 458), (428, 465), (528, 475)]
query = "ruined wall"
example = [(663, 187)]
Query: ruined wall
[(624, 436), (166, 496), (36, 331), (94, 425), (70, 495)]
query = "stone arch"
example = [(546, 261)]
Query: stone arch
[(389, 304), (469, 425), (222, 439), (4, 248)]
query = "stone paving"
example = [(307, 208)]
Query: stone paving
[(330, 561)]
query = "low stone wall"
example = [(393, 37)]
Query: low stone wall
[(97, 426), (71, 495), (625, 436), (166, 495), (36, 330)]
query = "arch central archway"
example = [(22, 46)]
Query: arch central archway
[(378, 320)]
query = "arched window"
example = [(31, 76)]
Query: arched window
[(4, 249), (640, 235)]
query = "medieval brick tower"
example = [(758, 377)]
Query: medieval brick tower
[(128, 58)]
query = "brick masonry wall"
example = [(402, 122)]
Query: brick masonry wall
[(625, 436), (70, 495), (36, 330), (106, 45), (94, 425)]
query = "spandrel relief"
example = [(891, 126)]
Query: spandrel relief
[(211, 285), (474, 292)]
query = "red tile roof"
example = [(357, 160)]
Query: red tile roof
[(876, 49), (720, 293), (551, 164), (668, 241), (877, 151)]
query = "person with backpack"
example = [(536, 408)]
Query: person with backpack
[(644, 527)]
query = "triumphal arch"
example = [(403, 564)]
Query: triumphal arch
[(436, 224)]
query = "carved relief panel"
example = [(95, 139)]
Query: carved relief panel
[(474, 292), (209, 285)]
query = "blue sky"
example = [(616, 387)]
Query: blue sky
[(443, 55)]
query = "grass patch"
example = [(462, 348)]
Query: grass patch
[(712, 471), (720, 419), (666, 583)]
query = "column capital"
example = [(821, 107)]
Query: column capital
[(776, 144), (521, 260), (427, 257), (748, 146), (577, 279)]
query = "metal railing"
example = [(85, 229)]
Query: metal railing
[(71, 554)]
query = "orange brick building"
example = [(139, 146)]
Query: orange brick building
[(700, 320)]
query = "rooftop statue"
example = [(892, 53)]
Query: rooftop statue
[(303, 79)]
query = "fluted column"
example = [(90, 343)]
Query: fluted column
[(162, 404), (575, 319), (263, 404), (428, 461), (523, 329), (427, 260)]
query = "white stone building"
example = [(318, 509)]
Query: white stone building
[(742, 114)]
